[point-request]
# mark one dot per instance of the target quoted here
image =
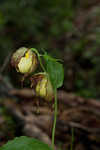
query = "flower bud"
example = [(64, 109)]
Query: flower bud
[(24, 60), (44, 88)]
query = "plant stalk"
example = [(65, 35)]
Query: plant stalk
[(39, 57), (55, 120)]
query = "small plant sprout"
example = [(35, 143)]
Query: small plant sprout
[(45, 83)]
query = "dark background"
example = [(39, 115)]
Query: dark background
[(66, 29)]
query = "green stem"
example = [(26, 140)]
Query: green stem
[(55, 119), (41, 63), (39, 57)]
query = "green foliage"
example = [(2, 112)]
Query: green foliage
[(53, 68), (25, 143), (56, 72)]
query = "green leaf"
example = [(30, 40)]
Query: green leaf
[(55, 71), (25, 143)]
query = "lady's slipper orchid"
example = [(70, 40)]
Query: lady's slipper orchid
[(43, 87), (24, 60)]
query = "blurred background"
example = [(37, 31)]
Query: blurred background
[(66, 29)]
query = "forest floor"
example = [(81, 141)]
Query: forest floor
[(22, 113)]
